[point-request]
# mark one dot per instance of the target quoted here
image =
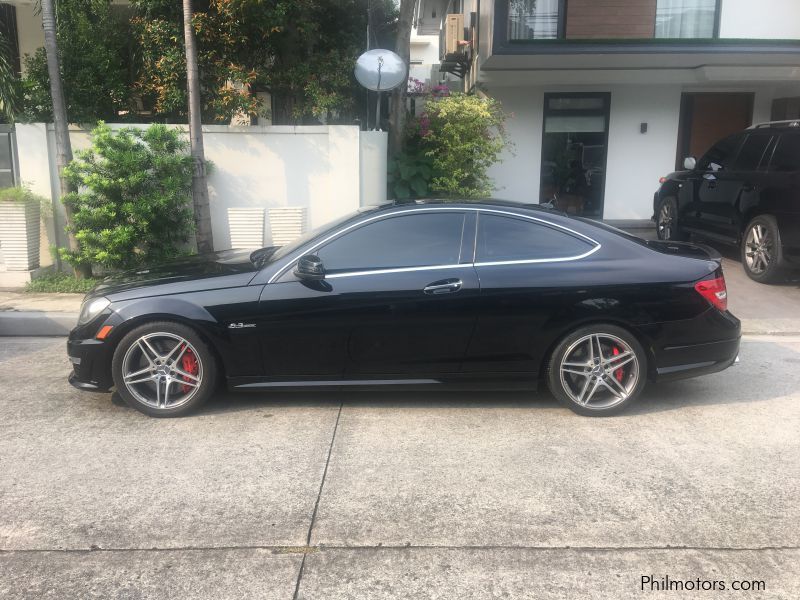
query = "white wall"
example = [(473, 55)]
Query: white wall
[(635, 160), (29, 30), (323, 168), (764, 19)]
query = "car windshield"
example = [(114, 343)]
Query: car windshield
[(265, 256)]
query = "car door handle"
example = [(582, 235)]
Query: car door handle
[(445, 286), (749, 187)]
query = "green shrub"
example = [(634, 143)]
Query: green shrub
[(61, 283), (463, 136), (133, 199), (22, 194), (410, 174)]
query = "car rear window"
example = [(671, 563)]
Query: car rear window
[(787, 154), (511, 239)]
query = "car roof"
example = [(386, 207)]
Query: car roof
[(472, 203)]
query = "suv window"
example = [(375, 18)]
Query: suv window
[(752, 152), (787, 154), (508, 238), (419, 240), (721, 154)]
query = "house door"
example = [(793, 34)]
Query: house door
[(574, 148), (707, 118)]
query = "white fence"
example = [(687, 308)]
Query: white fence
[(328, 170)]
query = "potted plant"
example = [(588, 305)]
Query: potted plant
[(20, 213)]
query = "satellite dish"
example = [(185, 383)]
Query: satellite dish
[(381, 70)]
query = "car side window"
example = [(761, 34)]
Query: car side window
[(787, 154), (752, 152), (419, 240), (721, 155), (507, 239)]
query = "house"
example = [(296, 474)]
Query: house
[(606, 96)]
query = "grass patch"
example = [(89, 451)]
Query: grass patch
[(60, 283)]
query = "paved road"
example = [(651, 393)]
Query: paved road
[(399, 495)]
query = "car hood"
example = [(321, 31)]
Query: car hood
[(195, 272)]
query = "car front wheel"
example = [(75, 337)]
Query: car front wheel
[(761, 249), (597, 370), (164, 369)]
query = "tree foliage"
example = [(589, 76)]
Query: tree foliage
[(463, 135), (9, 84), (449, 148), (301, 51), (133, 199), (95, 64)]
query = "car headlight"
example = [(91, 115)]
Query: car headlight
[(91, 308)]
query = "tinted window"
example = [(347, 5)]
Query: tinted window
[(505, 238), (787, 154), (721, 154), (752, 150), (419, 240)]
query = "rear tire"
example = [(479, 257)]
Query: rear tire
[(164, 369), (597, 370), (761, 250), (667, 225)]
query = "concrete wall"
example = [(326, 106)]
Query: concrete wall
[(635, 160), (765, 19), (29, 30), (330, 170)]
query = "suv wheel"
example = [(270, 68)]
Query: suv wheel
[(667, 220), (761, 249)]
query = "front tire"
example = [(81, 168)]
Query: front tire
[(598, 370), (761, 249), (164, 369), (667, 226)]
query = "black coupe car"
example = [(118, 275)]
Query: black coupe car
[(469, 295)]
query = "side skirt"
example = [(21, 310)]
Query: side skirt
[(452, 383)]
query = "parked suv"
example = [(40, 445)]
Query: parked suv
[(744, 191)]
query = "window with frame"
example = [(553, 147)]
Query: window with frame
[(503, 238), (721, 155), (676, 19), (533, 19), (752, 152), (787, 154), (418, 240)]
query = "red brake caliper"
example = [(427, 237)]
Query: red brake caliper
[(189, 364), (619, 373)]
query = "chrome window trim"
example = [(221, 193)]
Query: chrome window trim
[(397, 270), (282, 270)]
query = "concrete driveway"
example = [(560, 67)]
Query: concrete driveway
[(400, 495)]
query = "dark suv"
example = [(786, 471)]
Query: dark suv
[(744, 191)]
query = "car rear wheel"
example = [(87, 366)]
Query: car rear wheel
[(597, 370), (761, 249), (164, 369), (667, 221)]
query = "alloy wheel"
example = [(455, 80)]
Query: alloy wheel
[(599, 371), (665, 221), (758, 249), (162, 370)]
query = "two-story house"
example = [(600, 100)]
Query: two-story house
[(606, 96)]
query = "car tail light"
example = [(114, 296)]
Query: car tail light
[(662, 180), (715, 291)]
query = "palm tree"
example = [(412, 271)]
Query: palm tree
[(202, 212), (60, 120), (9, 85)]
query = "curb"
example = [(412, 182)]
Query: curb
[(36, 323)]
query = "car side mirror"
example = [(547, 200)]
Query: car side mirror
[(310, 268), (689, 163)]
